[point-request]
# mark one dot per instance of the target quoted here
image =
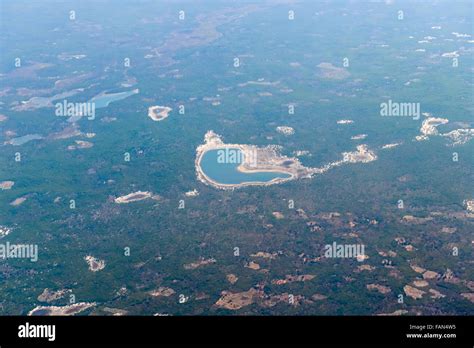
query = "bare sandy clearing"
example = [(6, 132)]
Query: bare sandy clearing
[(412, 292), (95, 264), (158, 112), (234, 301), (199, 263), (162, 291), (18, 201), (6, 185), (329, 71), (232, 278), (380, 288), (133, 197), (62, 310), (285, 130), (49, 295)]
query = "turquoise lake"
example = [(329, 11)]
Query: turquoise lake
[(102, 101), (227, 173)]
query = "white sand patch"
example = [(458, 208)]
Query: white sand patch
[(359, 137), (469, 205), (6, 185), (133, 197), (278, 215), (345, 122), (80, 144), (329, 71), (363, 155), (95, 264), (49, 295), (62, 310), (391, 146), (265, 255), (460, 136), (158, 112), (421, 138), (201, 262), (259, 82), (453, 54), (430, 125), (460, 35), (300, 153), (285, 130), (162, 291), (4, 231), (18, 201), (193, 193)]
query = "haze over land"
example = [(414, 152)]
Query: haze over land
[(218, 158)]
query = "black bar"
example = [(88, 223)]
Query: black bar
[(243, 330)]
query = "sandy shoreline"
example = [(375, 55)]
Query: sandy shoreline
[(268, 159), (214, 142)]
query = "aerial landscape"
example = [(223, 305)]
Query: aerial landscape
[(270, 157)]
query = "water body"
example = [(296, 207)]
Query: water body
[(104, 99), (228, 174), (24, 139)]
